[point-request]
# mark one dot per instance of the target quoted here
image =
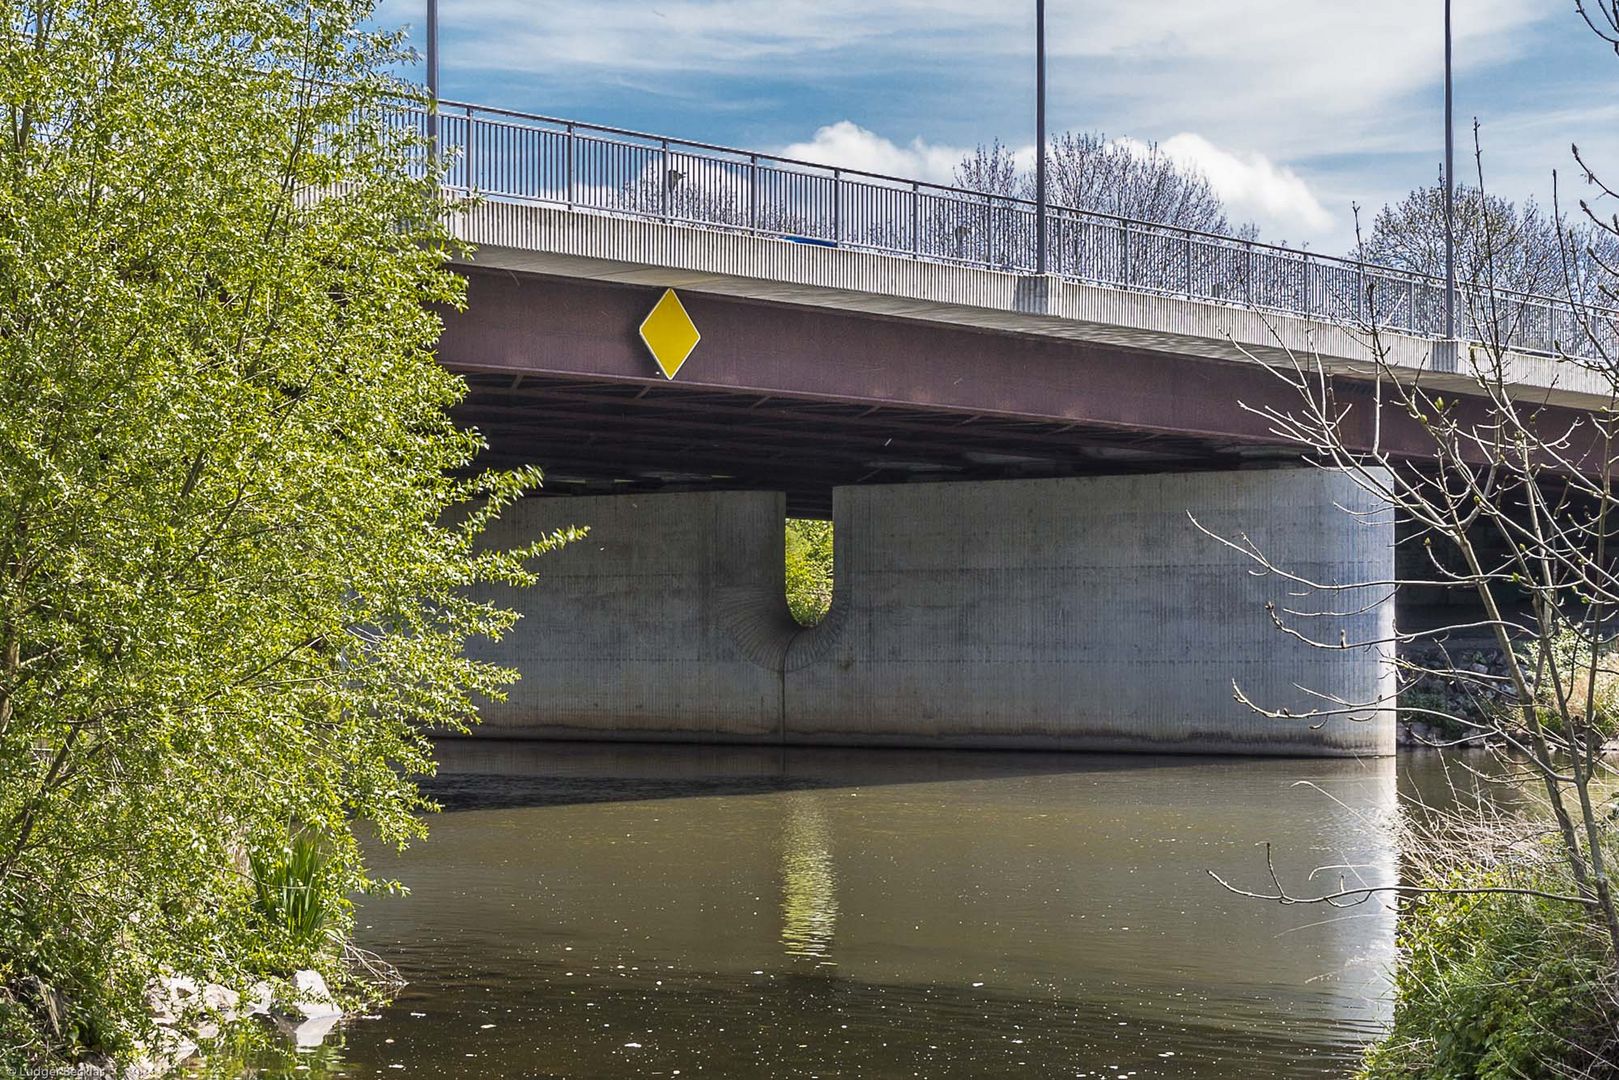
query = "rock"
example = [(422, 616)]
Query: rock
[(159, 1004), (169, 1050), (169, 997), (222, 1001), (311, 999), (309, 983), (260, 996)]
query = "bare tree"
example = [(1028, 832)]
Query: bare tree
[(994, 170), (697, 190), (1088, 171), (1513, 504), (1123, 212), (1514, 246)]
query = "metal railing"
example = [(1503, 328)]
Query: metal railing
[(512, 156)]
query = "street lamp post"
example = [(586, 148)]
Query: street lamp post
[(1450, 195), (432, 49), (432, 80), (1040, 135)]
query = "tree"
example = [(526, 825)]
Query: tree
[(994, 170), (1119, 214), (809, 569), (1086, 170), (1514, 246), (237, 525), (1510, 918)]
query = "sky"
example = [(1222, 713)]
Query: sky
[(1296, 110)]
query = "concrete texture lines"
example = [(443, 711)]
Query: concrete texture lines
[(1084, 613)]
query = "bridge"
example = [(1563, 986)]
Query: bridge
[(1009, 457)]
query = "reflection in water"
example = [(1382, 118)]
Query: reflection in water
[(607, 911), (809, 897)]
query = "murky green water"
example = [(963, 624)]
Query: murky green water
[(665, 911)]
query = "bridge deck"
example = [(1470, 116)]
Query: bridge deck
[(522, 158)]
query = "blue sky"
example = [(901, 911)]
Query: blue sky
[(1295, 109)]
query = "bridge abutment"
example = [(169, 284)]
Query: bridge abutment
[(1082, 613)]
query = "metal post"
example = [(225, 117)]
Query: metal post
[(567, 161), (469, 153), (1040, 136), (753, 192), (916, 219), (664, 188), (432, 81), (1450, 195), (989, 232), (837, 205)]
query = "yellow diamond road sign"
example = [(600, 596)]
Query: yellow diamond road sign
[(669, 333)]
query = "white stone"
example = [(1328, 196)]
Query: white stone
[(260, 996), (170, 1050), (221, 1000), (168, 998), (313, 1000)]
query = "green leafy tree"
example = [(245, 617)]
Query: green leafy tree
[(809, 569), (237, 526)]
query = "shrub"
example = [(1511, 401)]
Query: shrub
[(1587, 678), (293, 896), (238, 568), (1493, 987)]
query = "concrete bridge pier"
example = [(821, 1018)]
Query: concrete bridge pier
[(668, 621), (1091, 614), (1082, 613)]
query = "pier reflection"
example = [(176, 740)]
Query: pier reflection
[(809, 893)]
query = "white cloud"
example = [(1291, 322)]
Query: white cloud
[(1254, 188), (847, 145)]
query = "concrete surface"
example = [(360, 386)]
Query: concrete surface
[(1043, 614)]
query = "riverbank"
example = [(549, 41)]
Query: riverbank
[(1447, 710)]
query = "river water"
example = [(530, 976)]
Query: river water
[(608, 911)]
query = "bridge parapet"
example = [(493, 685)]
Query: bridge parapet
[(515, 157)]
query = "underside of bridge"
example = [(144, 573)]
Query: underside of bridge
[(802, 401), (605, 437)]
